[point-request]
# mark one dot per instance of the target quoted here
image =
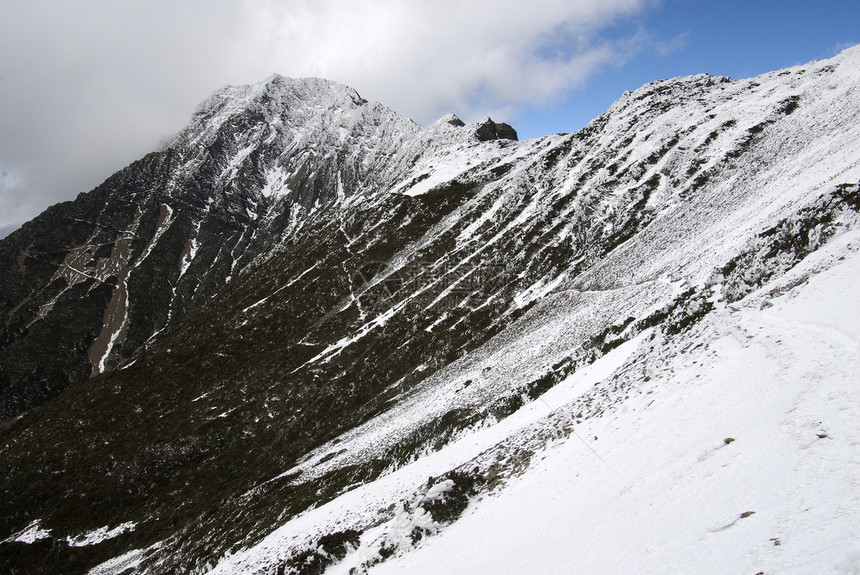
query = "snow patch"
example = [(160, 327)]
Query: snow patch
[(30, 534), (101, 534)]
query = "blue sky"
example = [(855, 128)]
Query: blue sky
[(88, 86), (731, 38)]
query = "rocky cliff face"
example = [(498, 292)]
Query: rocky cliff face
[(305, 293)]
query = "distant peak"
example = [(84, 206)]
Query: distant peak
[(312, 89), (284, 104), (451, 119), (288, 91)]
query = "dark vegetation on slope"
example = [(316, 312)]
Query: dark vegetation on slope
[(44, 348)]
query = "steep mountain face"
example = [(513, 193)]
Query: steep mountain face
[(90, 282), (309, 332)]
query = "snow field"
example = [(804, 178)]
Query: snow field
[(759, 414)]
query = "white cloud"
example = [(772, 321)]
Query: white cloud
[(427, 58), (88, 86)]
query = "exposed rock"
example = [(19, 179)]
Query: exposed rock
[(490, 130), (454, 121)]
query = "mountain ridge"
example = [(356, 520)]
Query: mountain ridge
[(295, 347)]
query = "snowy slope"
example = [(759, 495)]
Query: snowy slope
[(756, 411), (684, 246), (650, 458)]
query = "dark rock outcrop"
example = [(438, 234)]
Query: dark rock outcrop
[(490, 130)]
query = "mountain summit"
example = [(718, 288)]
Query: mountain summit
[(310, 335)]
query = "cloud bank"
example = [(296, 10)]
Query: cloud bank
[(88, 86)]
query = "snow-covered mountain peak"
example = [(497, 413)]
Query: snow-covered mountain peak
[(272, 139), (451, 120), (281, 101), (269, 140), (314, 89), (314, 92)]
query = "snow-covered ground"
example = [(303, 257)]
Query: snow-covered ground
[(33, 532), (743, 456)]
